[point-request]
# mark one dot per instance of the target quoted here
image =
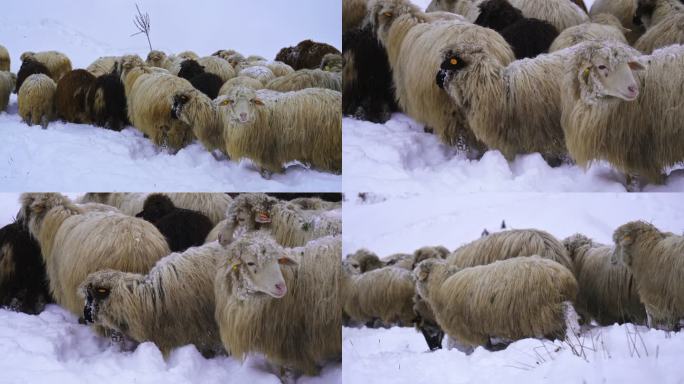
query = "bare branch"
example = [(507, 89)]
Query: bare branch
[(142, 22)]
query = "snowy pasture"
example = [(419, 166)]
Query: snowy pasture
[(619, 353), (70, 156), (53, 347)]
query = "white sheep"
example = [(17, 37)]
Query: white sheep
[(37, 100), (668, 31), (218, 67), (258, 72), (306, 78), (56, 62), (240, 81), (602, 27)]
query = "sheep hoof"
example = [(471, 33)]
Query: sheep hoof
[(427, 129), (633, 183), (44, 122), (265, 173)]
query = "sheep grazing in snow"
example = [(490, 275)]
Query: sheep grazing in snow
[(275, 129), (248, 212), (29, 67), (509, 299), (306, 78), (7, 84), (624, 11), (260, 281), (602, 27), (56, 62), (295, 224), (367, 92), (363, 261), (617, 110), (669, 31), (528, 37), (196, 110), (75, 243), (183, 228), (607, 293), (106, 102), (171, 306), (655, 260), (353, 13), (305, 55), (37, 100), (4, 59), (23, 284), (71, 96), (414, 42), (332, 62)]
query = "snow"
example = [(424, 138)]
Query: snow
[(79, 157), (53, 348), (387, 224)]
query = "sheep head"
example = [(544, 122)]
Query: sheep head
[(382, 13), (457, 61), (185, 55), (27, 55), (224, 53), (332, 62), (574, 242), (156, 59), (239, 105), (441, 5), (156, 206), (235, 59), (426, 253), (362, 261), (430, 273), (103, 293), (627, 236), (254, 264), (35, 207)]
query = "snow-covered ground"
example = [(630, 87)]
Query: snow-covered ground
[(390, 224), (53, 348), (78, 157)]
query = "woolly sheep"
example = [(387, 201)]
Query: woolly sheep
[(414, 45), (363, 261), (29, 67), (367, 89), (516, 108), (258, 72), (106, 102), (603, 27), (218, 67), (248, 212), (332, 62), (109, 64), (670, 30), (273, 130), (37, 100), (606, 292), (23, 283), (56, 62), (171, 306), (183, 228), (7, 84), (652, 12), (240, 81), (189, 69), (71, 96), (429, 252), (304, 298), (295, 225), (306, 78), (655, 260), (224, 53), (158, 59), (353, 13), (279, 69), (624, 11), (306, 54), (525, 297), (196, 110), (4, 59), (608, 115), (75, 243), (400, 260)]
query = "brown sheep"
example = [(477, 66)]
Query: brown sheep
[(307, 54), (71, 96)]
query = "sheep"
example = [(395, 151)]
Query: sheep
[(400, 260), (294, 225), (106, 102), (244, 81), (171, 306), (655, 260), (218, 67), (248, 212), (363, 261), (185, 55), (273, 130), (306, 78), (367, 89), (516, 108), (313, 202), (159, 59), (224, 53), (624, 11), (71, 96), (606, 292), (303, 285), (196, 110), (259, 72), (670, 30), (37, 100), (528, 37), (4, 59), (108, 64), (75, 243), (23, 284), (183, 228), (508, 299), (235, 59), (29, 67), (429, 252), (608, 115), (280, 69), (602, 27), (307, 54), (57, 63), (414, 41), (7, 84), (652, 12), (353, 13), (255, 58), (205, 82), (332, 62), (189, 69)]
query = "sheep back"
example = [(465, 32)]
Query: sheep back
[(71, 96), (37, 100)]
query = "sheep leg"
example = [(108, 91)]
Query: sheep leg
[(634, 183), (29, 120), (44, 122), (452, 343), (572, 326), (265, 173)]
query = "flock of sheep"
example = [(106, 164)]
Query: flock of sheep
[(272, 112), (520, 283), (525, 76), (231, 275)]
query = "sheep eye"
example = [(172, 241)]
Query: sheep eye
[(227, 102), (453, 61), (102, 290), (250, 264), (602, 67)]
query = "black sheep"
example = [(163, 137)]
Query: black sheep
[(189, 69), (528, 37), (367, 89), (107, 102), (183, 228), (29, 67), (23, 281), (207, 83)]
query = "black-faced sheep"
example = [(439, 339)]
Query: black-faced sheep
[(259, 281), (602, 27), (655, 260), (171, 306), (37, 100), (23, 284), (508, 299), (607, 293), (106, 102), (527, 37), (306, 78), (75, 243), (305, 55), (670, 30), (627, 118), (190, 69), (275, 129), (4, 59), (56, 62), (7, 84), (29, 67), (183, 228)]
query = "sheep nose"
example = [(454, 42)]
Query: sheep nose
[(281, 288), (632, 88), (243, 116)]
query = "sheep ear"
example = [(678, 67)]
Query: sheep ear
[(423, 273), (287, 261), (258, 102), (635, 65)]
